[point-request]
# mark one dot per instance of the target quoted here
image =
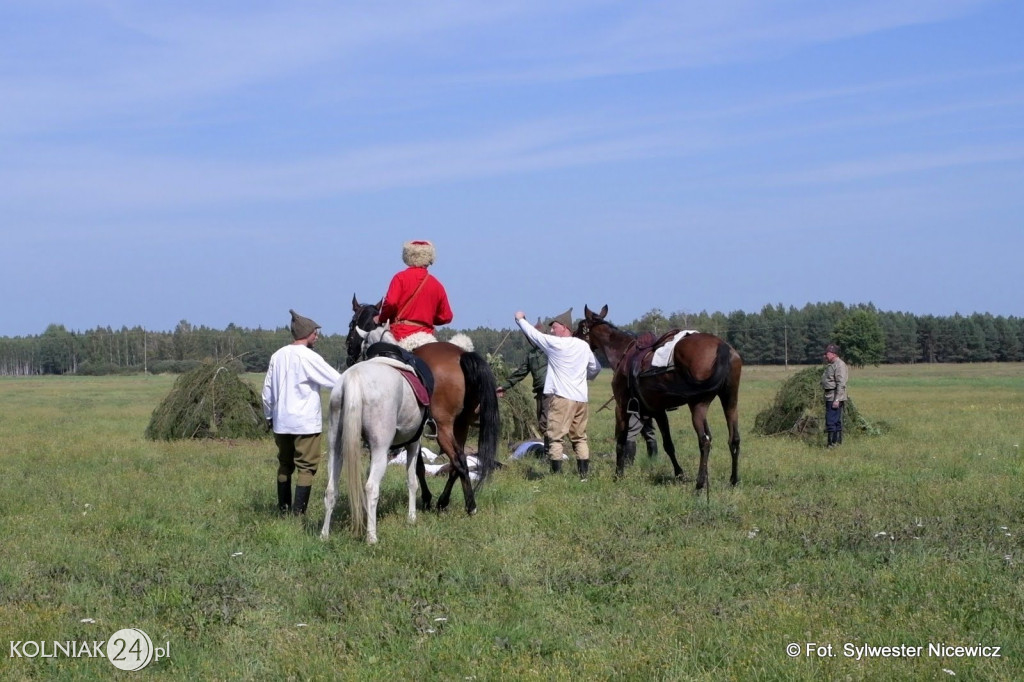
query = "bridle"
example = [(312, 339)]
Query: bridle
[(585, 327), (363, 319)]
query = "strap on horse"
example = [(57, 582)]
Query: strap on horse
[(390, 350)]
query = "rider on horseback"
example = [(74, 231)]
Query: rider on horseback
[(416, 301)]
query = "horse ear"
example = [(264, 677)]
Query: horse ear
[(355, 304), (604, 311), (587, 314), (387, 325), (380, 303), (361, 333)]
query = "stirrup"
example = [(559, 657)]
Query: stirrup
[(430, 429), (633, 406)]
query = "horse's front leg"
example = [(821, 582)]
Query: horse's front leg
[(661, 419), (698, 412), (621, 436)]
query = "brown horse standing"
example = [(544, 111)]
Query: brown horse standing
[(703, 367), (465, 393)]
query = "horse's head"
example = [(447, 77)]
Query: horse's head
[(375, 335), (362, 320), (589, 321)]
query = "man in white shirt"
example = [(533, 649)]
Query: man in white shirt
[(291, 404), (571, 364)]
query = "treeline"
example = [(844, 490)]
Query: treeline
[(775, 335)]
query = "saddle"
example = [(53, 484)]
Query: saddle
[(636, 364), (422, 382)]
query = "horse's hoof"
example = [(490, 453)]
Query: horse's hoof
[(371, 539), (471, 512), (411, 519)]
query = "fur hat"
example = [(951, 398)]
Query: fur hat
[(565, 319), (302, 326), (418, 254)]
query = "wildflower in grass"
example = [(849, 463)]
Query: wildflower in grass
[(88, 620), (753, 532), (949, 672)]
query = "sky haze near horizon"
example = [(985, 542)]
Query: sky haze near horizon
[(222, 163)]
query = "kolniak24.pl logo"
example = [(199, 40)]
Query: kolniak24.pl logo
[(127, 649)]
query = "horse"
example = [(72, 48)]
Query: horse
[(703, 367), (371, 401), (465, 392)]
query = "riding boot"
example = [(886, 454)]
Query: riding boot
[(630, 452), (652, 447), (301, 498), (583, 467), (284, 495), (556, 466)]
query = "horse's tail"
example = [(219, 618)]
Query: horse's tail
[(482, 389), (352, 445)]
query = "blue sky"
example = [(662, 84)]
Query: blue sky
[(224, 162)]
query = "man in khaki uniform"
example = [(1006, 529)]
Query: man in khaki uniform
[(833, 382)]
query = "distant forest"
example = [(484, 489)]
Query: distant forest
[(773, 336)]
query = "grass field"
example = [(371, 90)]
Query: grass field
[(912, 540)]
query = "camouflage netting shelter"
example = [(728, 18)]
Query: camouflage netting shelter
[(211, 401), (799, 410)]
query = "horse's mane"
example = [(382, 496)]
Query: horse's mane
[(614, 327)]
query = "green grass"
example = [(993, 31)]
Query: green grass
[(910, 538)]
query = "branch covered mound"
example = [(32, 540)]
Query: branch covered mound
[(211, 401)]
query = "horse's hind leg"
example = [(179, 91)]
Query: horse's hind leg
[(411, 462), (731, 408), (455, 439), (378, 465), (333, 474), (421, 476), (447, 444), (698, 412)]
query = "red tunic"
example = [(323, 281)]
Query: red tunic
[(429, 307)]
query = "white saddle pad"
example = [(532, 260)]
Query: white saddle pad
[(663, 356)]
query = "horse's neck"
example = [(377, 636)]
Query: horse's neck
[(615, 346)]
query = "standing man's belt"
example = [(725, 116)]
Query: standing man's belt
[(412, 323)]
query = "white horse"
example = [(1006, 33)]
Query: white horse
[(372, 401)]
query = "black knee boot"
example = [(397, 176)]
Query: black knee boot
[(583, 467), (556, 466), (652, 447), (301, 498), (284, 495)]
